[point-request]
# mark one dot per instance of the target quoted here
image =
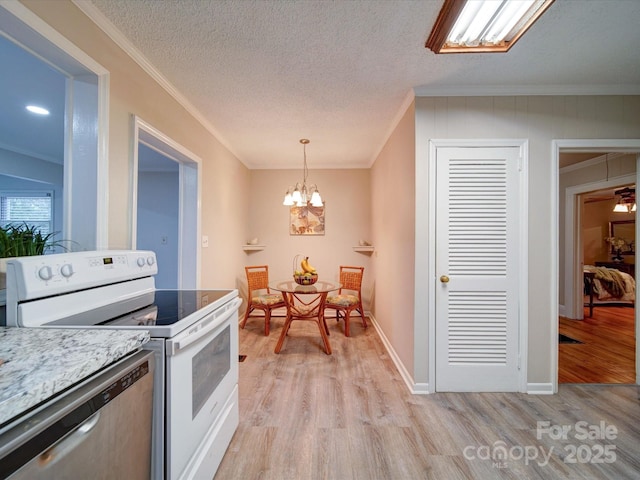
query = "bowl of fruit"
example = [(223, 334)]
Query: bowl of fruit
[(306, 274)]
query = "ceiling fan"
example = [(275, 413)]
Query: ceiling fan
[(627, 202)]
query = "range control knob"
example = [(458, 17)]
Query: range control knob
[(151, 261), (67, 270), (45, 273), (140, 262)]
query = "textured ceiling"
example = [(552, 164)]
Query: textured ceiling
[(265, 73)]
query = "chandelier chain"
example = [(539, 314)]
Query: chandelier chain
[(306, 170)]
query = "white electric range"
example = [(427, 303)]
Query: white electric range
[(194, 334)]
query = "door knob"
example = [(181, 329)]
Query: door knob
[(444, 279)]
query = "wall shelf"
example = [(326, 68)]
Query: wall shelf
[(364, 248), (253, 248)]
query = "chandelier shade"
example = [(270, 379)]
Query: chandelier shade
[(300, 195)]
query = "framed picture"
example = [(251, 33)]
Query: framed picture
[(306, 220), (622, 237)]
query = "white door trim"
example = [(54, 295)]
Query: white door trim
[(188, 269), (577, 145), (523, 188)]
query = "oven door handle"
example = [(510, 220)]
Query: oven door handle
[(219, 317)]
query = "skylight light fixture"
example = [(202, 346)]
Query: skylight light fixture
[(37, 110), (474, 26)]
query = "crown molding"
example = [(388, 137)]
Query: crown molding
[(97, 17), (523, 90)]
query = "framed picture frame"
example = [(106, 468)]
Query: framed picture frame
[(307, 220), (624, 231)]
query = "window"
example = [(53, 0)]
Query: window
[(30, 207)]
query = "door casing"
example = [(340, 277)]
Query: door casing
[(190, 188)]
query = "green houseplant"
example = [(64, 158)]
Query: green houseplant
[(24, 240)]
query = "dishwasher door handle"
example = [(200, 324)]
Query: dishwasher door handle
[(58, 451)]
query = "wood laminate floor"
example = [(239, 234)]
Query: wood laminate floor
[(305, 415), (607, 353)]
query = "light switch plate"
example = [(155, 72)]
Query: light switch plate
[(205, 241)]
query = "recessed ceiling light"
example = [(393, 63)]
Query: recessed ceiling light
[(37, 110), (475, 26)]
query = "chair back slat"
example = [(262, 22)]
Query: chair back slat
[(351, 280), (351, 277), (257, 278)]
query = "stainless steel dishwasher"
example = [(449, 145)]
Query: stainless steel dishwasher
[(99, 429)]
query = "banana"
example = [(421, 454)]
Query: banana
[(306, 266)]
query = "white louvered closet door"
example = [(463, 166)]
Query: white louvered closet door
[(477, 249)]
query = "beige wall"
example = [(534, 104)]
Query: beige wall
[(225, 180), (393, 200), (540, 119), (346, 194)]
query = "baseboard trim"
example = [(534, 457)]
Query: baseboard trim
[(415, 388), (540, 388)]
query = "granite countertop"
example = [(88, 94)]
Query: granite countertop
[(37, 363)]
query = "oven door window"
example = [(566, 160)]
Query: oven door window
[(209, 367)]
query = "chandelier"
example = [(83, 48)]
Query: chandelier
[(301, 195)]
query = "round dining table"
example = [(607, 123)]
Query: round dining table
[(305, 302)]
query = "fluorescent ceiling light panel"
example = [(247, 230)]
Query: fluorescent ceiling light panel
[(37, 110), (473, 26)]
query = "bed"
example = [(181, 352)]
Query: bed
[(605, 286)]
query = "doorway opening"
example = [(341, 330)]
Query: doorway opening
[(598, 345), (68, 155), (166, 186), (586, 186)]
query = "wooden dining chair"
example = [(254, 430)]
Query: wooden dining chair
[(259, 297), (344, 303)]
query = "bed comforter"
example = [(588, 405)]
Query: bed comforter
[(610, 284)]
